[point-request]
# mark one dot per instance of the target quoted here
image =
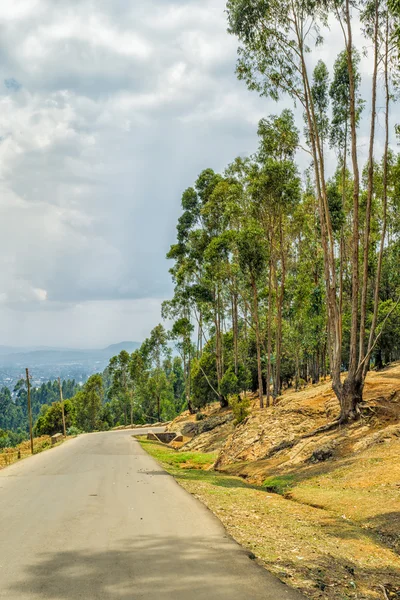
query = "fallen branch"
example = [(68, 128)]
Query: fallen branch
[(382, 587), (209, 382)]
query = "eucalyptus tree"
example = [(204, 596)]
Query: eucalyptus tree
[(119, 369), (138, 379), (253, 258), (275, 190), (275, 37), (181, 333), (156, 350), (87, 403), (274, 41)]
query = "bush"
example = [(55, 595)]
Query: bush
[(240, 407), (73, 430), (229, 384), (200, 416)]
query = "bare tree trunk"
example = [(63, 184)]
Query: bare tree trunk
[(269, 333), (341, 250), (367, 230), (279, 298), (189, 384), (235, 331), (356, 197), (385, 200), (218, 349), (258, 344), (334, 329)]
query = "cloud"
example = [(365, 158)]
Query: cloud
[(109, 110)]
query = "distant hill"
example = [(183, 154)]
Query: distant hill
[(30, 357)]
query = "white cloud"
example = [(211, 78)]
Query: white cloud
[(111, 109)]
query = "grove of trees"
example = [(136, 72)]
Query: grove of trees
[(285, 276)]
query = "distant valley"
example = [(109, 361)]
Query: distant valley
[(46, 363)]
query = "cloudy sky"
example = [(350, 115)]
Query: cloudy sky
[(108, 111)]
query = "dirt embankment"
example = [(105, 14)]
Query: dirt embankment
[(276, 438), (334, 497)]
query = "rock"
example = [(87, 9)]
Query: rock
[(378, 437), (322, 453), (193, 428)]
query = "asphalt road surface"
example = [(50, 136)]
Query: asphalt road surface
[(98, 519)]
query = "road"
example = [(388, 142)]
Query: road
[(98, 519)]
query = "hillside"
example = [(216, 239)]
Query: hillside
[(327, 520)]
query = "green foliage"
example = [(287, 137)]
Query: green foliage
[(229, 384), (50, 418), (279, 484), (73, 431), (10, 439), (204, 379), (87, 404), (240, 406)]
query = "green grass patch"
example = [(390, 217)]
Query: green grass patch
[(279, 484), (191, 466), (172, 457)]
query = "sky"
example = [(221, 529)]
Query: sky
[(109, 109)]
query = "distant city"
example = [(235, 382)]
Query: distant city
[(46, 364)]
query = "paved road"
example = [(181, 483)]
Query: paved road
[(97, 519)]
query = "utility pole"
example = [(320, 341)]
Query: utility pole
[(62, 407), (28, 384)]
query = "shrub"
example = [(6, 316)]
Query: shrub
[(240, 407), (73, 430)]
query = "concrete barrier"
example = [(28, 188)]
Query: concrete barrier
[(56, 438), (165, 438)]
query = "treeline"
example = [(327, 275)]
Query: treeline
[(143, 387), (14, 427), (286, 277)]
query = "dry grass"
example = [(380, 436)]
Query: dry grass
[(324, 552), (330, 528), (8, 456)]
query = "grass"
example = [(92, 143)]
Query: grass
[(175, 459), (8, 456), (323, 552), (279, 484)]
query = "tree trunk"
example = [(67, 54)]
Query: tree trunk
[(356, 196), (235, 330), (258, 345), (385, 198), (279, 298), (367, 231), (269, 334), (218, 345), (350, 398)]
